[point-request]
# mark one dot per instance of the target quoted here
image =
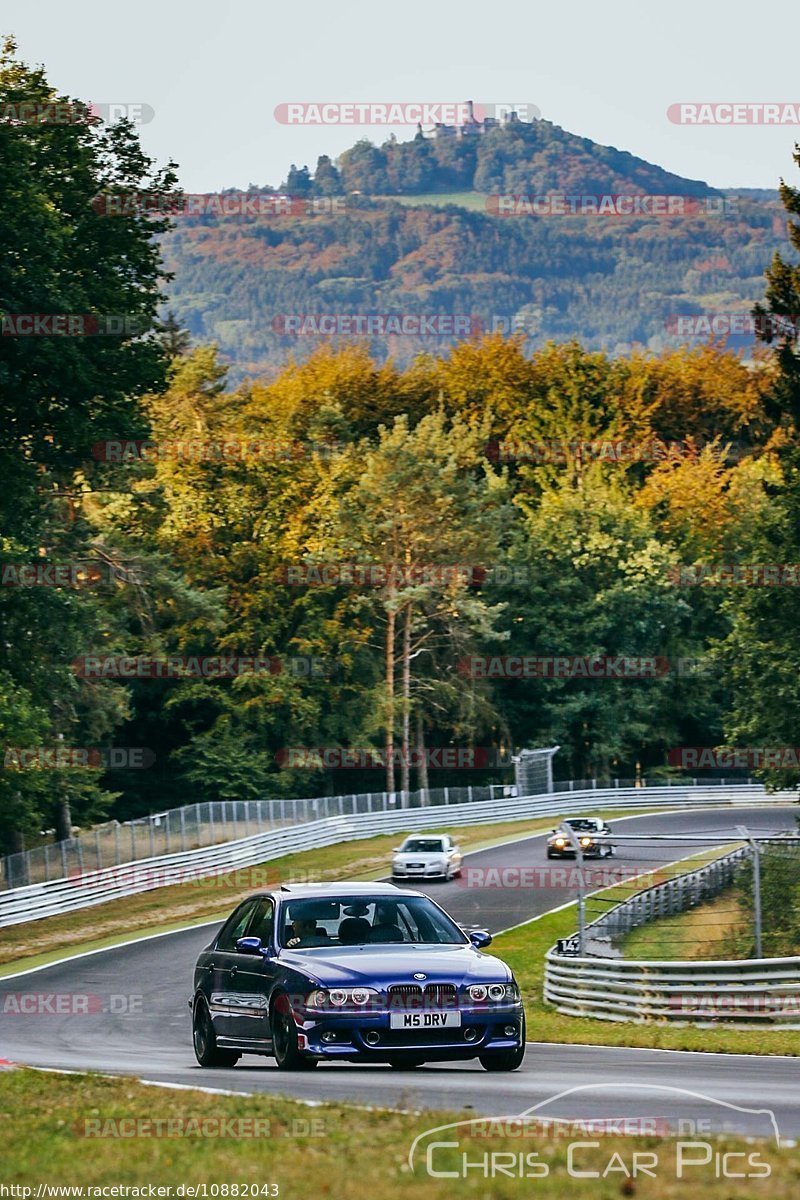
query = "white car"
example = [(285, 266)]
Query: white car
[(426, 857)]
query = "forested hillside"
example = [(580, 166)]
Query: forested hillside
[(419, 227)]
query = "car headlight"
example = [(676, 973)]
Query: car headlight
[(356, 997), (586, 842), (496, 992), (560, 842)]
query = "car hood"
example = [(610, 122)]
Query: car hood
[(415, 854), (379, 966)]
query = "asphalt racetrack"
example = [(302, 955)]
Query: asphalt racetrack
[(139, 1021)]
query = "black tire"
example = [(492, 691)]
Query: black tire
[(405, 1062), (284, 1038), (205, 1040), (504, 1060)]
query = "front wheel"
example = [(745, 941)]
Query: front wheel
[(284, 1038), (504, 1060), (205, 1041)]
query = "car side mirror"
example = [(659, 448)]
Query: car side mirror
[(249, 945), (480, 938), (396, 850)]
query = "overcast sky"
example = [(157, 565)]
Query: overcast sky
[(214, 73)]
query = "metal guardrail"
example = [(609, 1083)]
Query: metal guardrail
[(208, 824), (765, 991), (670, 897), (213, 822), (95, 887)]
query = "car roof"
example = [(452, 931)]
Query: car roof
[(330, 891)]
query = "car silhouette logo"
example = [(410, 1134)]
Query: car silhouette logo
[(420, 975)]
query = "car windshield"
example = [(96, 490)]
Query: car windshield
[(582, 825), (364, 920), (422, 845)]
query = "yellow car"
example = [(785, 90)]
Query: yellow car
[(592, 833)]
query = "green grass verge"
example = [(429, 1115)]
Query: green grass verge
[(721, 928), (331, 1150)]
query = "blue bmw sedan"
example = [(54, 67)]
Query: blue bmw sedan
[(362, 972)]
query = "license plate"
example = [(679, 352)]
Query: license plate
[(425, 1020)]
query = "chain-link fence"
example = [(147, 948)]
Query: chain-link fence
[(197, 825)]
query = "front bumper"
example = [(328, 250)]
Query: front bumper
[(432, 871), (369, 1036)]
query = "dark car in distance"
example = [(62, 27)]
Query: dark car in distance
[(356, 972)]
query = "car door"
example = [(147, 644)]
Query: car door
[(455, 853), (251, 978), (221, 963)]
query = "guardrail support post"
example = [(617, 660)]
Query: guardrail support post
[(573, 837), (748, 837)]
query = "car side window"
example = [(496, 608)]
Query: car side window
[(235, 927), (262, 922)]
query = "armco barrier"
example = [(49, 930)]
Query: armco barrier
[(757, 991), (95, 887), (762, 990)]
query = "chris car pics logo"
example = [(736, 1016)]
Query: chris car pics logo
[(695, 1143)]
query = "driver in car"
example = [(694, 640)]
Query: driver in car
[(305, 933)]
